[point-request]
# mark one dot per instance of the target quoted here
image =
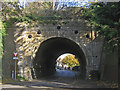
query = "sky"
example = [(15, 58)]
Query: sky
[(64, 55), (60, 3)]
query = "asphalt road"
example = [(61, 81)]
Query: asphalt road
[(66, 73), (62, 79)]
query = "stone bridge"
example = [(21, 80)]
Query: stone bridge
[(39, 47)]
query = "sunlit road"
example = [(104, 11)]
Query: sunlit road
[(66, 73), (62, 79)]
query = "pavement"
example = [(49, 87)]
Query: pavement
[(54, 83), (60, 80)]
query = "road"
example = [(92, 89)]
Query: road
[(62, 79), (66, 73)]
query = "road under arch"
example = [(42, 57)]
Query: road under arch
[(45, 61)]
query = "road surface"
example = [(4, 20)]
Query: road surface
[(62, 79), (66, 73)]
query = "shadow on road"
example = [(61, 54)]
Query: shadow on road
[(61, 79)]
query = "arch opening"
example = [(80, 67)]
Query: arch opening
[(67, 61), (67, 65), (44, 63)]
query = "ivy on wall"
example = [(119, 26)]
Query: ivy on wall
[(103, 18), (1, 52), (2, 35)]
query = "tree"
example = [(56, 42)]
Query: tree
[(105, 19), (71, 61), (10, 10)]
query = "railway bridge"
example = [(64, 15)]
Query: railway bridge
[(39, 47)]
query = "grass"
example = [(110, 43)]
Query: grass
[(9, 80)]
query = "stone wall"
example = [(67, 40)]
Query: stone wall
[(1, 45), (27, 47), (9, 48), (1, 53), (75, 31), (109, 66)]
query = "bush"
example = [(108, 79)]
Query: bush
[(21, 78)]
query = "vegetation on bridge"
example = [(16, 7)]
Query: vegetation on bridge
[(103, 17)]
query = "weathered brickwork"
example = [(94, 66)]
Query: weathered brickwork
[(28, 40)]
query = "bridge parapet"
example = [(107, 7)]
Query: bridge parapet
[(87, 40)]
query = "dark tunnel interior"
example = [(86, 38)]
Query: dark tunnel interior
[(45, 61)]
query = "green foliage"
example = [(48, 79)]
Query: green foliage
[(40, 19), (23, 19), (105, 19), (21, 78), (10, 9), (71, 61), (2, 34), (36, 12), (1, 45), (3, 30)]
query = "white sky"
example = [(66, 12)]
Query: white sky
[(64, 55)]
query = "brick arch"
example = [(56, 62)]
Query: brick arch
[(50, 49), (86, 51)]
